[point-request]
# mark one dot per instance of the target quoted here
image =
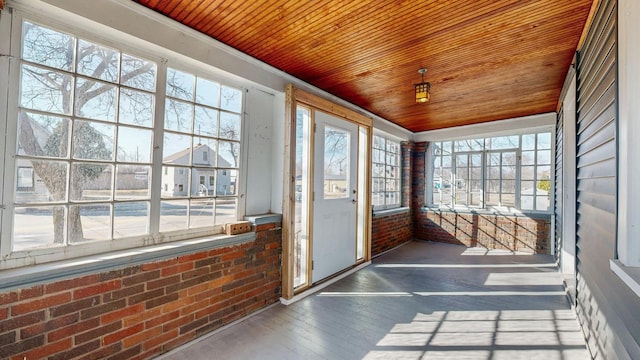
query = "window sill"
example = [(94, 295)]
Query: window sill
[(34, 275), (629, 275), (516, 213), (387, 212)]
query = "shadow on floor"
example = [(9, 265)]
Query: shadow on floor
[(421, 301)]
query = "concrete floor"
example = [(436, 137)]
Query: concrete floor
[(421, 301)]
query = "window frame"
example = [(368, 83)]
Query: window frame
[(80, 28), (486, 151), (384, 179)]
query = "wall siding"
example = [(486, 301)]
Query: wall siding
[(606, 307), (144, 310)]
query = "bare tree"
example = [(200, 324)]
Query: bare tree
[(46, 89), (336, 151)]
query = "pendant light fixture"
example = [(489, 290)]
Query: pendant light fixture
[(423, 89)]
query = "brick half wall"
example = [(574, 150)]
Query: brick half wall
[(516, 233), (143, 310), (390, 230)]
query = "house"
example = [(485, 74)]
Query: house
[(515, 125), (175, 180)]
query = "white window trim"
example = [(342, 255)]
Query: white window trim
[(626, 265), (628, 133), (10, 47)]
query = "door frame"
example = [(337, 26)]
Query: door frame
[(295, 97)]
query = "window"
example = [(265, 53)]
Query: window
[(386, 173), (25, 179), (202, 118), (85, 127), (512, 172)]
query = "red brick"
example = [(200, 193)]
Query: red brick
[(74, 306), (98, 332), (4, 312), (164, 338), (103, 352), (8, 338), (146, 296), (233, 255), (8, 298), (162, 282), (46, 350), (192, 257), (161, 300), (177, 323), (31, 292), (159, 264), (122, 313), (151, 323), (65, 285), (21, 346), (21, 321), (177, 269), (120, 273), (96, 289), (177, 304), (198, 289), (141, 317), (77, 351), (119, 335), (71, 330), (140, 337), (194, 273), (183, 338), (140, 278), (102, 309), (195, 306), (33, 330), (119, 294), (193, 325)]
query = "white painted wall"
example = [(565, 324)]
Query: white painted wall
[(277, 149), (494, 128), (628, 132), (259, 117)]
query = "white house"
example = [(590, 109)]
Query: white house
[(175, 179)]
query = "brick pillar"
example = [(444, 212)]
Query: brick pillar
[(418, 187), (405, 176), (418, 179)]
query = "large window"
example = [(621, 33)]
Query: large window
[(386, 173), (507, 172), (201, 139), (88, 121)]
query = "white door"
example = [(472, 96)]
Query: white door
[(335, 196)]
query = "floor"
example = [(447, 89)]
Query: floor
[(421, 301)]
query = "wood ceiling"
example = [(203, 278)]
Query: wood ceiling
[(486, 59)]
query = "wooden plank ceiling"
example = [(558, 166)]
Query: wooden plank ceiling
[(486, 59)]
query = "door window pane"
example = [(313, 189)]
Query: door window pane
[(336, 163)]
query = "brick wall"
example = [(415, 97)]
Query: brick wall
[(143, 310), (516, 233), (389, 231), (392, 229)]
